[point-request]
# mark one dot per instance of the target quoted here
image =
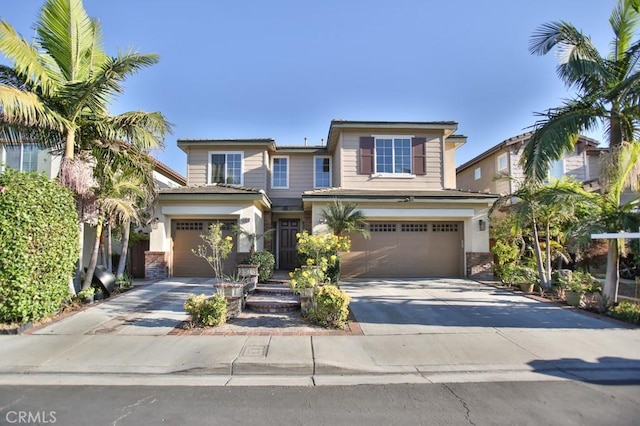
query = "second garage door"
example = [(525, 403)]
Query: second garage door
[(186, 236), (406, 249)]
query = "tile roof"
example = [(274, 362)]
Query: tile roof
[(219, 188), (421, 194)]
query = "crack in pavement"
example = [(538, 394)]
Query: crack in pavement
[(132, 406), (467, 414)]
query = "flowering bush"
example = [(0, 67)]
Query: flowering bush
[(320, 252), (331, 306), (206, 311), (215, 249)]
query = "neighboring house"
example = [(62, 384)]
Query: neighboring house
[(31, 158), (486, 172), (400, 174)]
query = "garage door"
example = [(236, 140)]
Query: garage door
[(406, 249), (186, 236)]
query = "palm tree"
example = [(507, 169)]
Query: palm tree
[(63, 81), (117, 196), (543, 209), (345, 218), (608, 90)]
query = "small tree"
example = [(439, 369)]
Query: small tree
[(345, 218), (215, 249)]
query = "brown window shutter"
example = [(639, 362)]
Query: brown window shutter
[(367, 153), (419, 152)]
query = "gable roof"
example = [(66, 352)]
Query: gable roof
[(270, 143), (514, 140), (168, 172), (219, 191), (337, 125)]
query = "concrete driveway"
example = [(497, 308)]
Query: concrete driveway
[(437, 306)]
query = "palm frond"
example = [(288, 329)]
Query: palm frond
[(556, 134), (24, 108), (27, 60), (624, 20)]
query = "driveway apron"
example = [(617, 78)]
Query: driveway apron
[(445, 305)]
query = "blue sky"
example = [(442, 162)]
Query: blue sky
[(285, 68)]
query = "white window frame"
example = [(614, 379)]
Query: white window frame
[(315, 184), (286, 157), (393, 153), (3, 158), (506, 162), (225, 153), (477, 173)]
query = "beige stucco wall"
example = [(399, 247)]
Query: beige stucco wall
[(449, 166), (349, 177)]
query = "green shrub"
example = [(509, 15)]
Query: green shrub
[(627, 311), (38, 246), (205, 311), (331, 306), (266, 261)]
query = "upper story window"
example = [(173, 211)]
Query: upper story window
[(280, 172), (502, 162), (321, 172), (477, 173), (225, 167), (393, 155), (382, 156), (22, 157)]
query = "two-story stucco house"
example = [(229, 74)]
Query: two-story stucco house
[(486, 172), (400, 174)]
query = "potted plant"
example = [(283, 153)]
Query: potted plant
[(524, 277), (577, 285), (231, 286), (86, 295)]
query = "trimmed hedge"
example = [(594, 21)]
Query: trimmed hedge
[(38, 245)]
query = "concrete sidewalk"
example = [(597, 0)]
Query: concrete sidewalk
[(71, 352)]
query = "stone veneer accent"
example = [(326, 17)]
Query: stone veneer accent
[(480, 266), (268, 242), (155, 265), (307, 221)]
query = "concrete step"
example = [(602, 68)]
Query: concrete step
[(273, 289), (273, 303)]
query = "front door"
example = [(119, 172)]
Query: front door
[(288, 228)]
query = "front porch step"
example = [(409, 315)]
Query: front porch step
[(273, 303), (273, 289)]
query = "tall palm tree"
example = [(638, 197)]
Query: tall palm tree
[(63, 82), (344, 218), (608, 91), (608, 88)]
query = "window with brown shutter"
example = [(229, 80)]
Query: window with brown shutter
[(367, 153)]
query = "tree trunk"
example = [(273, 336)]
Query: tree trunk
[(548, 252), (538, 252), (94, 255), (610, 290), (109, 248), (70, 144), (125, 248)]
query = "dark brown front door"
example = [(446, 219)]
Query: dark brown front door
[(288, 230), (136, 259)]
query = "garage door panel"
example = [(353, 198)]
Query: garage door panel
[(406, 249), (186, 237)]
